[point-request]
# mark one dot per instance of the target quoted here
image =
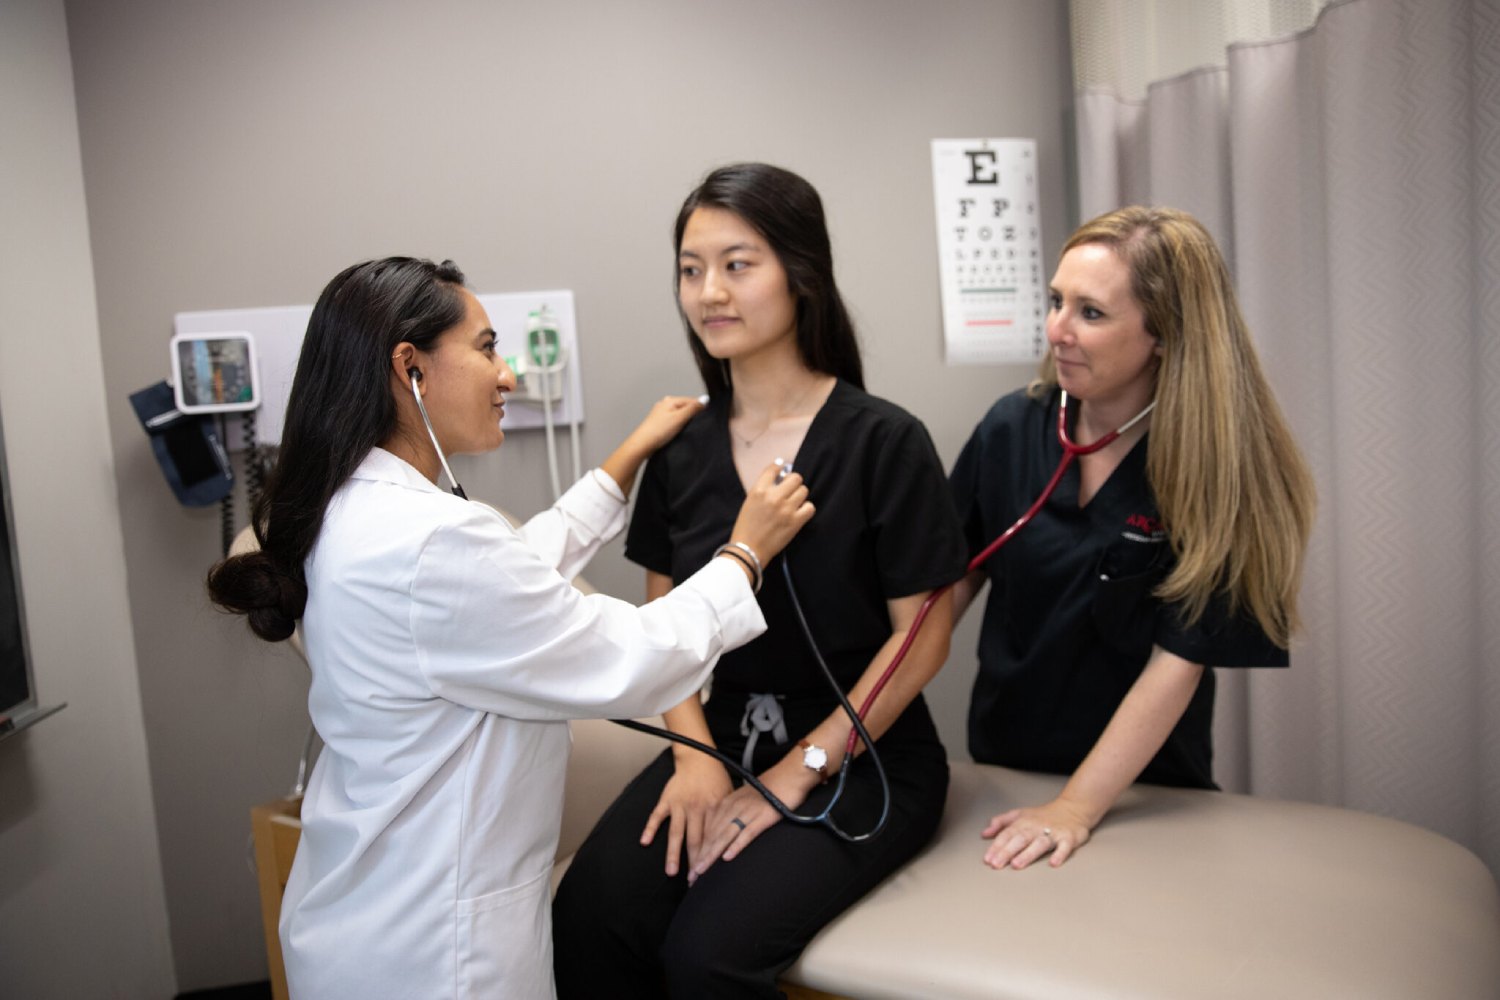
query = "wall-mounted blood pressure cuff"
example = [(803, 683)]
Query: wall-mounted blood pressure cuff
[(186, 446)]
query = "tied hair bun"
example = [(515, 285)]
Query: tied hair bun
[(254, 585)]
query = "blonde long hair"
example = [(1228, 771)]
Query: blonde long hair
[(1236, 496)]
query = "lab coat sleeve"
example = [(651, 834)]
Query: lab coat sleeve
[(496, 628), (566, 535)]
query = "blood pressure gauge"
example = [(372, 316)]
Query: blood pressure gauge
[(214, 372)]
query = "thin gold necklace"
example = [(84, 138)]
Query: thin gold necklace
[(791, 411)]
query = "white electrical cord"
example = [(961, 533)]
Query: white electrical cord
[(539, 325), (573, 440), (546, 371)]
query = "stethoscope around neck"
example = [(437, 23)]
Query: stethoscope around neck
[(1070, 452)]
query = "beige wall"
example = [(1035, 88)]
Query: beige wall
[(81, 902), (237, 154)]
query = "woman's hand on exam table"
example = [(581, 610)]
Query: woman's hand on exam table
[(1137, 730), (1022, 836)]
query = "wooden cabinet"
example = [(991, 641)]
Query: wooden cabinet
[(276, 827)]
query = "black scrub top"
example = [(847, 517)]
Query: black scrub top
[(884, 528), (1071, 619)]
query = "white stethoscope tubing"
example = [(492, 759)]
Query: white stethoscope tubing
[(416, 377)]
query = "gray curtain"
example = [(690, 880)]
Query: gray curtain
[(1352, 174)]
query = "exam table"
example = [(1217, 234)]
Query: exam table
[(1181, 893)]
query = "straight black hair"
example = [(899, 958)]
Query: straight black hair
[(786, 210), (340, 406)]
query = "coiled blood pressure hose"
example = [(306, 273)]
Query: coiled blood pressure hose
[(1070, 452)]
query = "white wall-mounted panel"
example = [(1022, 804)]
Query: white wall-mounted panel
[(278, 333), (509, 313)]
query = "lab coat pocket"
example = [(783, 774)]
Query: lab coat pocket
[(505, 942)]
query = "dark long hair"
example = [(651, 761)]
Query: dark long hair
[(787, 211), (339, 408)]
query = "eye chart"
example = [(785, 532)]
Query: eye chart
[(989, 250)]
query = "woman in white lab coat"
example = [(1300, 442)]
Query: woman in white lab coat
[(448, 648)]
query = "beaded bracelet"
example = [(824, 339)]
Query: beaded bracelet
[(734, 549)]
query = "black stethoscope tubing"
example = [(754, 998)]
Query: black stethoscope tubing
[(825, 818), (859, 732)]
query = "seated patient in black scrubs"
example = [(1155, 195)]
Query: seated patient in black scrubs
[(777, 351), (1175, 548)]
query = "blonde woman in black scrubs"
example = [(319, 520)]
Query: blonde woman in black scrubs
[(1174, 549)]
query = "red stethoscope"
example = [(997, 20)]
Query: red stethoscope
[(1070, 452), (858, 732)]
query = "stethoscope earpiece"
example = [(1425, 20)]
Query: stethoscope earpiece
[(415, 374)]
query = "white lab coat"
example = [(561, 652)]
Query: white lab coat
[(448, 650)]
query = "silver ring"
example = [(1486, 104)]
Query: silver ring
[(1047, 832), (738, 822)]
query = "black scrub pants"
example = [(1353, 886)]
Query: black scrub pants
[(623, 929)]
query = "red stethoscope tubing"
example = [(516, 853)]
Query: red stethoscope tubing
[(1070, 452)]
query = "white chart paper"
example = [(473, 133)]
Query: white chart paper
[(989, 250)]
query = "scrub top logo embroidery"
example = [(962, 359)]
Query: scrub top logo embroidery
[(1144, 528)]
